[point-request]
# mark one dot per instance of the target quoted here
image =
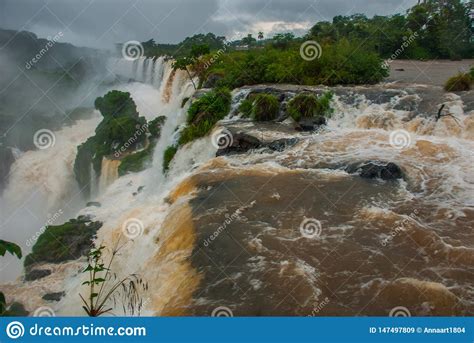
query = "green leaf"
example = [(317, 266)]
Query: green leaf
[(12, 248)]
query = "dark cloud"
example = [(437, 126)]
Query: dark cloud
[(101, 23)]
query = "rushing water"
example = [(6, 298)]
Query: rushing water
[(226, 231)]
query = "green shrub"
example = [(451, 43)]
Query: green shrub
[(471, 73), (308, 106), (265, 107), (460, 82), (246, 107), (204, 113), (168, 157)]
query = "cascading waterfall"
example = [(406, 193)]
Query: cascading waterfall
[(359, 130)]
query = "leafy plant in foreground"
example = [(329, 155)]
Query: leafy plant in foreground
[(13, 249), (104, 286)]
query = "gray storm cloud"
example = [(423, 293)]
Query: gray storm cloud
[(99, 23)]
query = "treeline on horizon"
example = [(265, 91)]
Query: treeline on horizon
[(352, 48), (442, 29)]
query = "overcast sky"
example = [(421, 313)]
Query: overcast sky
[(100, 23)]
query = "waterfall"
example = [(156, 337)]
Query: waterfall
[(108, 173), (146, 70)]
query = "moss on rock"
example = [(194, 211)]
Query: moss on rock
[(65, 242)]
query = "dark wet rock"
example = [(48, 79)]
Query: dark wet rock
[(376, 170), (36, 274), (282, 144), (212, 80), (16, 309), (310, 124), (93, 204), (241, 143), (55, 296), (7, 158)]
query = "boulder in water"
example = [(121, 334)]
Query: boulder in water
[(241, 143), (310, 124), (54, 296), (282, 144), (376, 170), (36, 274)]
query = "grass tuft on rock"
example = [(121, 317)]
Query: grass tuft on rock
[(265, 107), (458, 83), (306, 105)]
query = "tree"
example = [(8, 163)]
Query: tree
[(260, 35), (283, 40), (249, 40)]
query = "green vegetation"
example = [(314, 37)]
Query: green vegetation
[(121, 128), (65, 242), (168, 157), (104, 286), (265, 107), (309, 106), (246, 107), (15, 250), (204, 113), (137, 161), (340, 63), (441, 29), (457, 83)]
